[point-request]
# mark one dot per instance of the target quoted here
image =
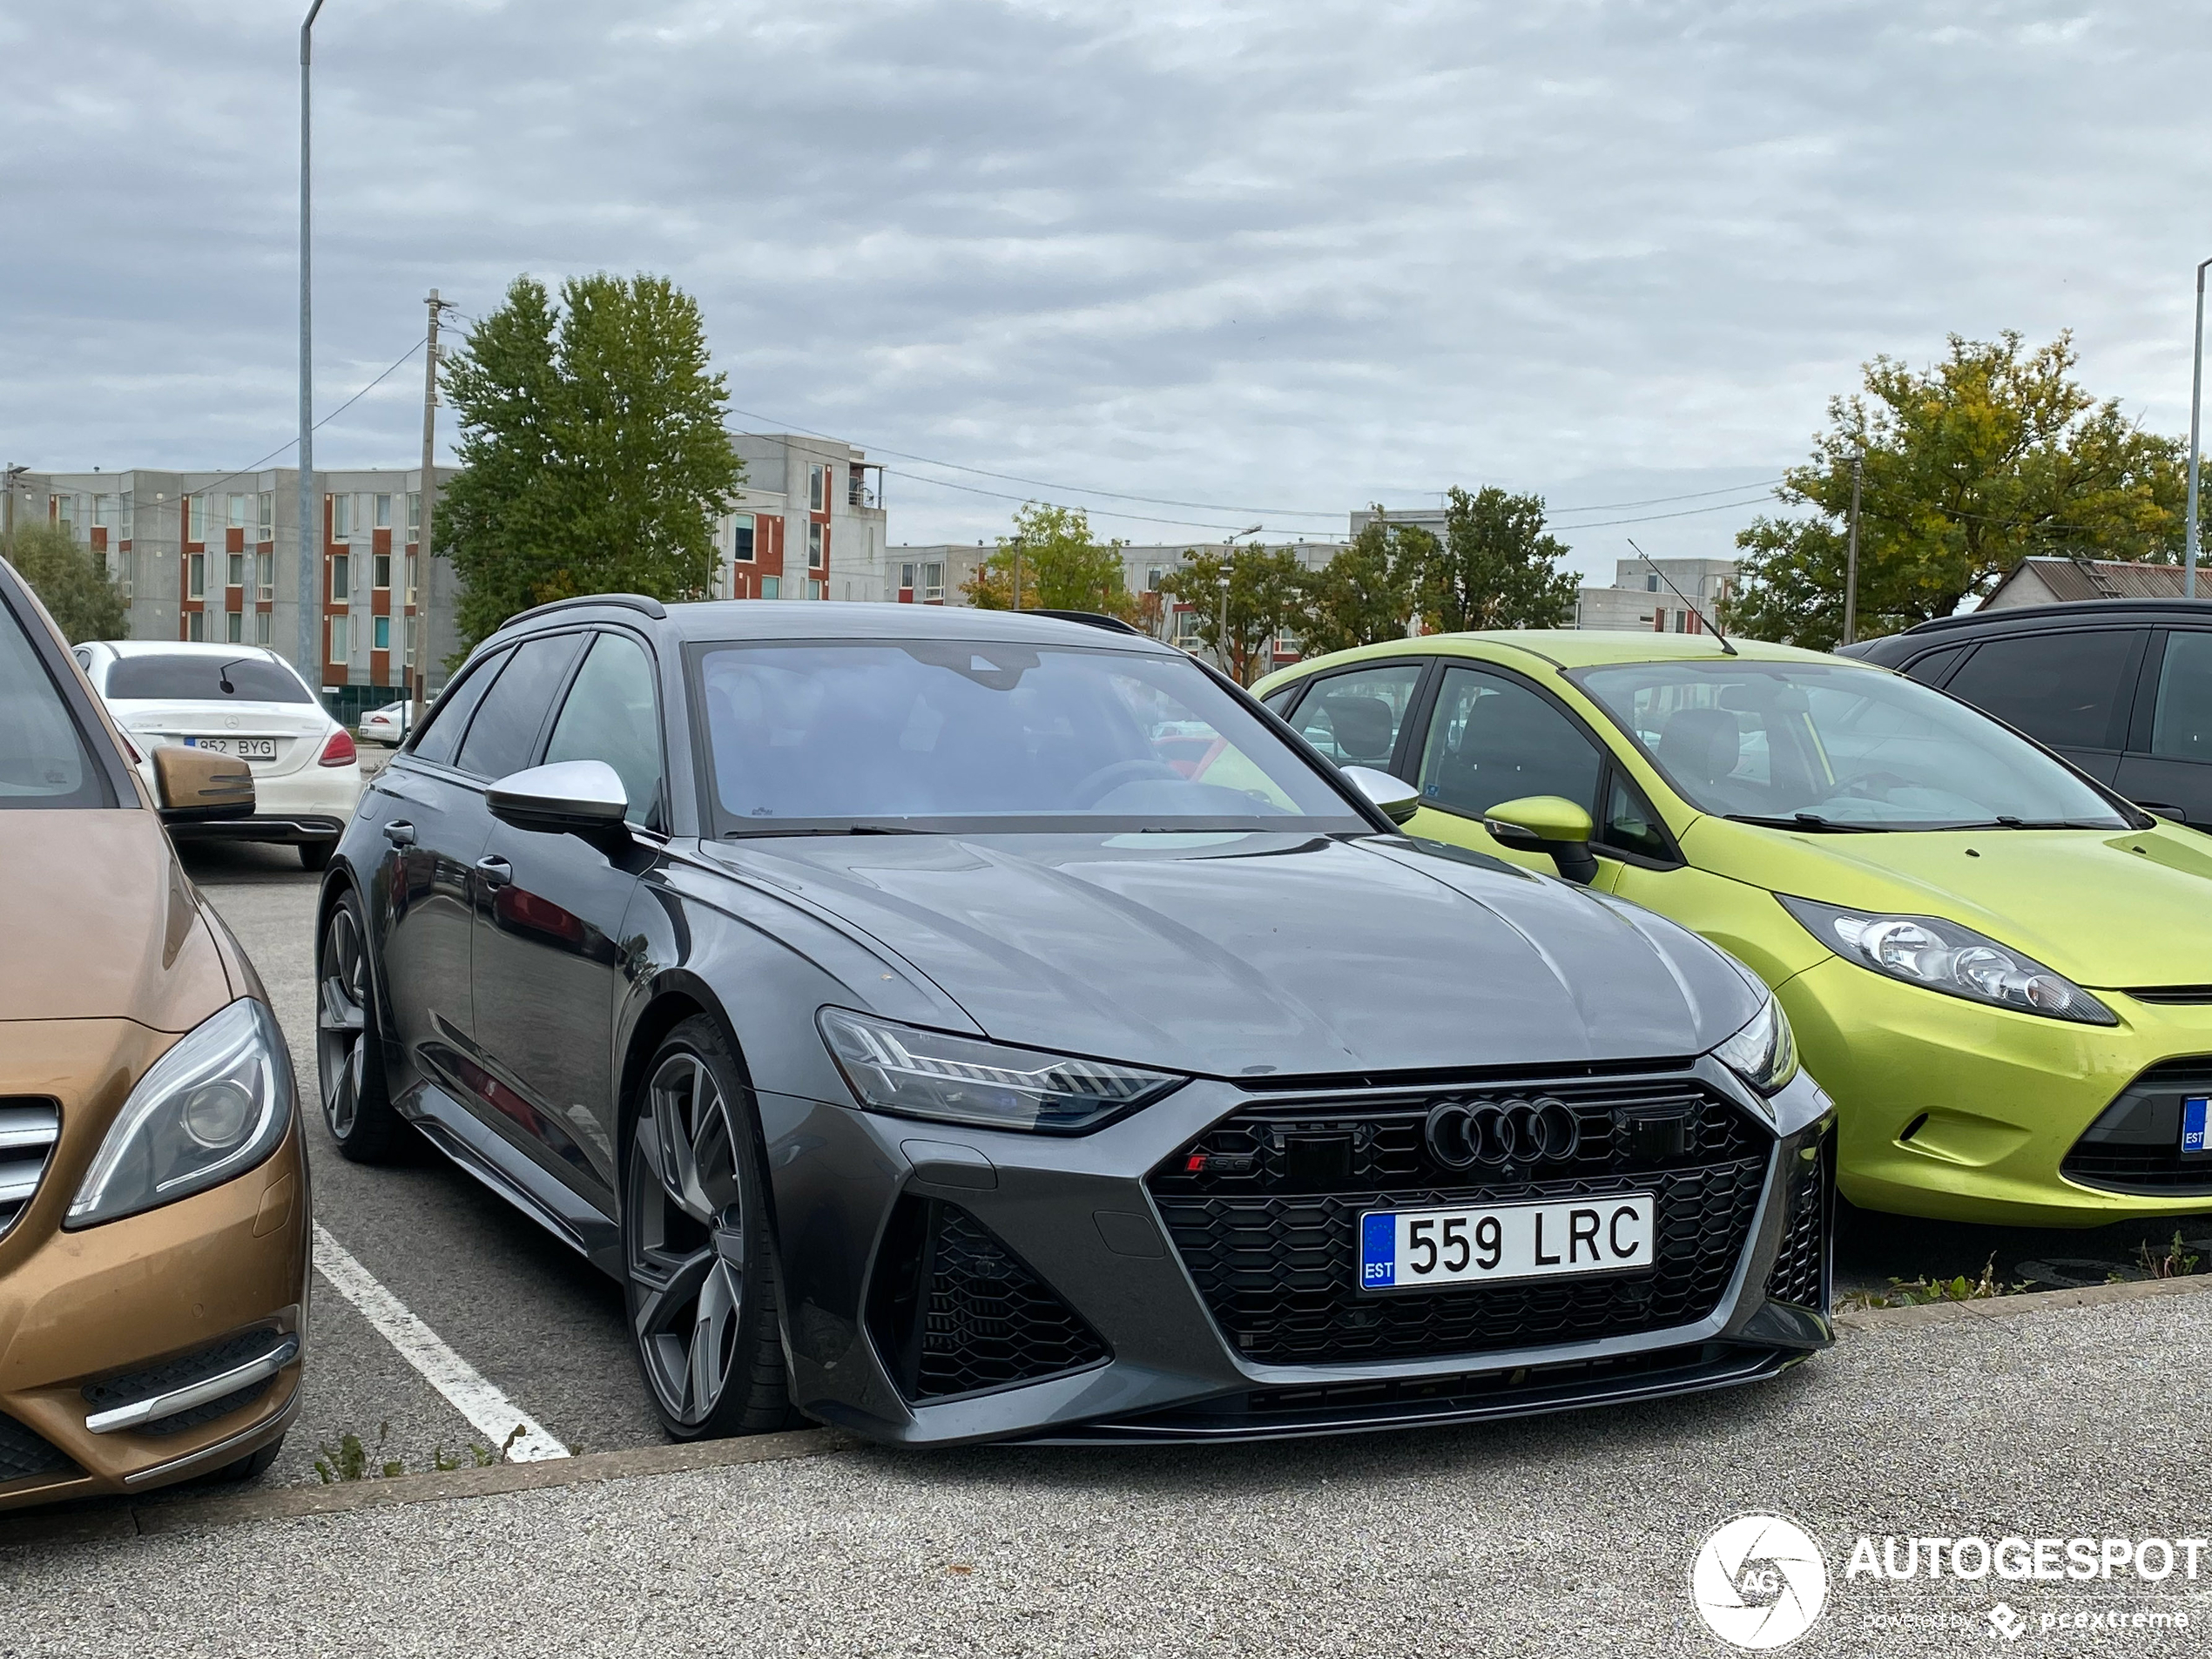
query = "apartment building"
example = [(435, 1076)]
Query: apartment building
[(809, 523), (1640, 601)]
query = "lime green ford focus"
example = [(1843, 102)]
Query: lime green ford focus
[(2001, 971)]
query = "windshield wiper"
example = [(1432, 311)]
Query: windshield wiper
[(2006, 821), (832, 829), (1812, 821)]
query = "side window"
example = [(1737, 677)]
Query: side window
[(440, 734), (1354, 717), (1277, 702), (2060, 688), (611, 715), (1492, 739), (513, 712), (2181, 724), (1931, 669), (1630, 823)]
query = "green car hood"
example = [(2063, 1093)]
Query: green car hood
[(2132, 908)]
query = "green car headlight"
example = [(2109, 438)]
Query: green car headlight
[(1944, 956)]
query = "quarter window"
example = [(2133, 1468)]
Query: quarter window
[(505, 729), (1354, 717), (439, 733), (2182, 726), (2060, 688), (611, 715), (1492, 739)]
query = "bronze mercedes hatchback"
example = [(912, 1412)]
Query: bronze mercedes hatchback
[(153, 1187)]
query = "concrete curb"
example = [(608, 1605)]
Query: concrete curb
[(2006, 1307), (149, 1516)]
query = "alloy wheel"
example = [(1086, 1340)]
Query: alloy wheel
[(685, 1226), (342, 1023)]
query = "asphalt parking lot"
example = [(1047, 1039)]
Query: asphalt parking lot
[(545, 1331)]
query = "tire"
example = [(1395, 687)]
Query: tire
[(251, 1466), (315, 855), (349, 1057), (699, 1272)]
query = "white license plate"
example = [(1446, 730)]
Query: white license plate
[(244, 748), (1414, 1249)]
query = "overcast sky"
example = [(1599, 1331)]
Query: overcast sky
[(1278, 260)]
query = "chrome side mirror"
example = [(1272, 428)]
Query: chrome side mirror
[(193, 786), (1394, 798), (567, 797)]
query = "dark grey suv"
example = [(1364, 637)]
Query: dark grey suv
[(954, 1024)]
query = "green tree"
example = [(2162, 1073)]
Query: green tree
[(1265, 589), (594, 458), (1495, 567), (1062, 568), (72, 581), (1366, 593), (1990, 455)]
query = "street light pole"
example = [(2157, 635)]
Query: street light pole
[(2196, 408), (1850, 555), (310, 639)]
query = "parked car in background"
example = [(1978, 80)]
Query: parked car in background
[(1997, 966), (243, 701), (153, 1187), (387, 725), (2121, 688), (961, 1024)]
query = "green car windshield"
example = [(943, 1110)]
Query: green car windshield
[(1821, 745)]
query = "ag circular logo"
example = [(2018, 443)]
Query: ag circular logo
[(1759, 1582)]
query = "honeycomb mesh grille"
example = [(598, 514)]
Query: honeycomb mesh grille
[(958, 1311), (23, 1453), (1800, 1273)]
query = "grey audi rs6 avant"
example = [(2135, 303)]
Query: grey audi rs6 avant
[(955, 1025)]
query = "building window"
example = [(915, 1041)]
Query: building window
[(817, 590), (741, 538), (196, 626), (195, 518), (265, 575), (1651, 583), (383, 512), (342, 639), (380, 633), (411, 633), (414, 515), (265, 517), (234, 626), (341, 518), (195, 576), (126, 572), (813, 547), (1153, 576), (234, 572), (814, 489), (104, 513), (906, 580), (128, 515), (236, 518), (410, 578), (771, 587), (341, 577), (933, 584), (262, 627), (379, 569)]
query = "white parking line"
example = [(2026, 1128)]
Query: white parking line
[(463, 1387)]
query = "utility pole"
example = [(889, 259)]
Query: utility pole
[(8, 476), (2196, 408), (418, 624), (310, 637), (1851, 556)]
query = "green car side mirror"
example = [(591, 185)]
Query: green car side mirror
[(1547, 824)]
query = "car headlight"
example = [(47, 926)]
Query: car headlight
[(914, 1073), (212, 1108), (1945, 956), (1764, 1053)]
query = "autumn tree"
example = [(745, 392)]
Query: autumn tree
[(1264, 589), (593, 450), (1494, 568), (72, 581), (1366, 593), (1993, 454)]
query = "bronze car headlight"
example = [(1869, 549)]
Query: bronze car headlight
[(1944, 956), (951, 1079), (212, 1108), (1764, 1053)]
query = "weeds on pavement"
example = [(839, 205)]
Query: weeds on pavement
[(1918, 1292)]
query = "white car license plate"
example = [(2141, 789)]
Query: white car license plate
[(1413, 1248), (244, 748)]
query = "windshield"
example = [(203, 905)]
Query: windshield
[(924, 734), (1824, 745), (193, 678)]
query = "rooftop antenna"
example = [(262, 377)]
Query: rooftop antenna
[(1711, 627)]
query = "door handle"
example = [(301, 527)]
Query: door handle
[(496, 873), (400, 833)]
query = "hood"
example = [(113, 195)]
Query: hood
[(98, 922), (2108, 910), (1267, 953)]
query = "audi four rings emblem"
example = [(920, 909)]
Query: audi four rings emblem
[(1463, 1134)]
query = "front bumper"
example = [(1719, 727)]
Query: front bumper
[(1960, 1112), (1086, 1259), (140, 1311)]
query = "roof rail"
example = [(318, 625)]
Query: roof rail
[(645, 602), (2070, 608), (1092, 619)]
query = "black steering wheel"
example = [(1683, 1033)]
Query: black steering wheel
[(1093, 789)]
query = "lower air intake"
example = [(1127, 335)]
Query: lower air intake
[(23, 1453)]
